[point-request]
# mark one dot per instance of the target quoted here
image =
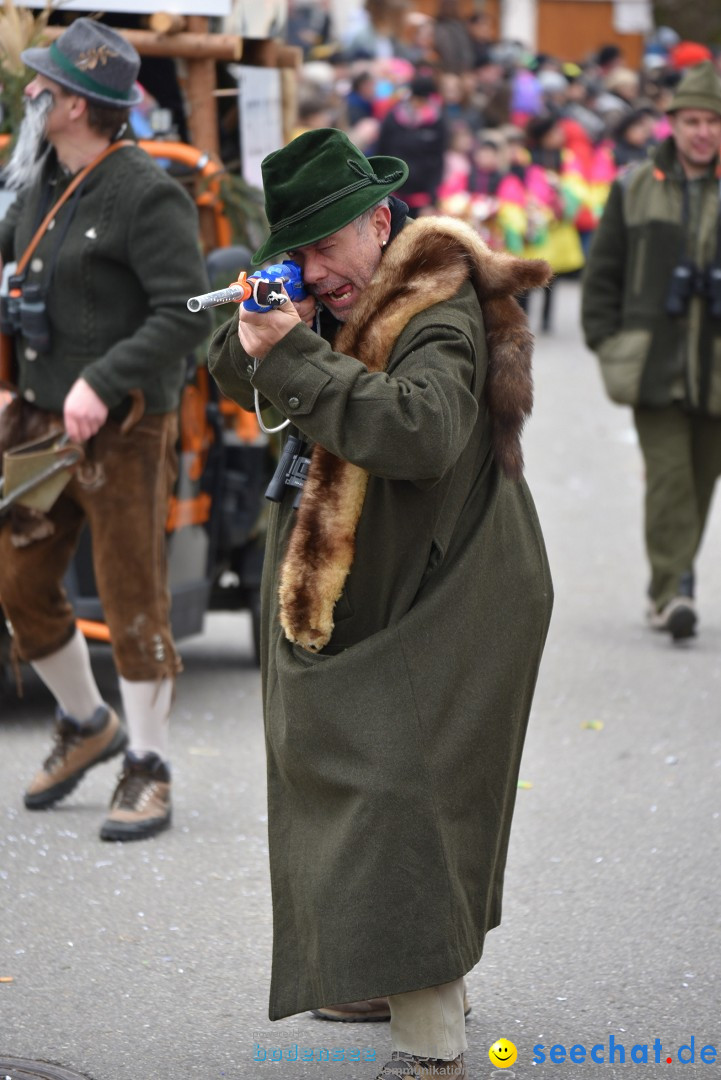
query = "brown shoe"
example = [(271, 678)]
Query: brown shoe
[(372, 1010), (76, 749), (407, 1067), (356, 1012), (140, 805)]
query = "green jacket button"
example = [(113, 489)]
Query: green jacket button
[(249, 369), (29, 395), (30, 354), (294, 402)]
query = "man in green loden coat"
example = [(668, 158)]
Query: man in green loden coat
[(406, 600), (652, 313)]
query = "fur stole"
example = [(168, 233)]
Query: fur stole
[(426, 263)]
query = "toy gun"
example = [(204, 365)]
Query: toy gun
[(257, 293)]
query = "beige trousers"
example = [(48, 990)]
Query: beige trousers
[(430, 1023)]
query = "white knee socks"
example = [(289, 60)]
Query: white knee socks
[(69, 678), (147, 713)]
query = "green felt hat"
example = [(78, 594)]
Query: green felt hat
[(319, 183), (700, 88)]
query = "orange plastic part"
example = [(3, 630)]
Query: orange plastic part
[(182, 512), (242, 284), (95, 631)]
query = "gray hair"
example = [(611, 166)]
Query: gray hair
[(364, 218), (31, 147)]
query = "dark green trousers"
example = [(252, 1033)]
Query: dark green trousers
[(682, 454)]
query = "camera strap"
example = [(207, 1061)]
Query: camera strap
[(74, 183)]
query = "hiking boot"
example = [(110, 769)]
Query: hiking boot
[(404, 1066), (77, 747), (678, 618), (364, 1012), (140, 805)]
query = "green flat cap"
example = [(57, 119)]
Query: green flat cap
[(700, 88), (319, 183)]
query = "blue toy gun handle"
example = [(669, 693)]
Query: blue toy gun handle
[(264, 297)]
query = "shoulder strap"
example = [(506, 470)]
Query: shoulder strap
[(72, 186)]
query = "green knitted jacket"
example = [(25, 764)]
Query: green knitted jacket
[(117, 267)]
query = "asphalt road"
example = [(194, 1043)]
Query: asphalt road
[(151, 960)]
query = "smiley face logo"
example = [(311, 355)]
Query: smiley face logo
[(502, 1054)]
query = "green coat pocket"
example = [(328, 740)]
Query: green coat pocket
[(623, 357)]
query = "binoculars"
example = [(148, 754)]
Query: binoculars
[(688, 280), (23, 311), (291, 471)]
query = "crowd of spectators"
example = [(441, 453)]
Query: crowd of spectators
[(522, 145)]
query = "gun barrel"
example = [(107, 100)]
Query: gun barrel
[(216, 298)]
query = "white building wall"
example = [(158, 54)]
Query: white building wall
[(519, 22), (342, 12)]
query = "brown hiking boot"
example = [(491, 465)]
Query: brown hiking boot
[(76, 749), (407, 1067), (364, 1012), (140, 805)]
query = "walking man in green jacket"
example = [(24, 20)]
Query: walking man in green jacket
[(405, 602), (652, 313), (112, 271)]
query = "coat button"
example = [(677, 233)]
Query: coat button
[(249, 368), (29, 395), (31, 354), (36, 265), (294, 402)]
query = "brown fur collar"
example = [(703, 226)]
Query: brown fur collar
[(427, 262)]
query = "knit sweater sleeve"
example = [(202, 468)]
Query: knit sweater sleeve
[(163, 252)]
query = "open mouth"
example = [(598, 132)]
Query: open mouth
[(338, 295)]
